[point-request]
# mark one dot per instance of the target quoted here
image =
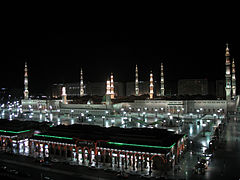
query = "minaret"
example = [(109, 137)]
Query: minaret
[(162, 81), (26, 93), (228, 75), (108, 88), (112, 87), (136, 82), (233, 80), (64, 95), (151, 85), (81, 84)]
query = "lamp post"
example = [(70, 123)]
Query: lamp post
[(198, 112), (178, 110), (214, 116), (103, 121), (106, 113), (40, 109), (156, 112), (204, 125), (182, 111), (138, 112), (201, 111), (72, 112), (191, 114), (144, 116), (50, 107)]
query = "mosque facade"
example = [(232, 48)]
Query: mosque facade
[(155, 90)]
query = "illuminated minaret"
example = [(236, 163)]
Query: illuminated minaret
[(64, 95), (112, 87), (162, 81), (81, 83), (233, 80), (136, 82), (26, 93), (151, 85), (108, 88), (228, 75)]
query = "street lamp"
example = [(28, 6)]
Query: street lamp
[(201, 111), (182, 110), (138, 112), (144, 116), (40, 108), (198, 112), (204, 125), (72, 112), (156, 112), (178, 110), (191, 114), (103, 121), (161, 110)]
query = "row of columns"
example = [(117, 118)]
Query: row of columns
[(88, 155), (6, 143)]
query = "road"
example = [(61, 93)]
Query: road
[(226, 161)]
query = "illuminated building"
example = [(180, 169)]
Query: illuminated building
[(233, 81), (26, 93), (228, 75), (64, 95), (81, 84), (162, 81), (151, 85), (112, 87), (136, 82)]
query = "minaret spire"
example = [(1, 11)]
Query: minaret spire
[(81, 83), (64, 95), (151, 85), (233, 80), (108, 87), (162, 81), (136, 82), (228, 74), (26, 92), (112, 87)]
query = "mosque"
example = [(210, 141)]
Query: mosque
[(154, 101)]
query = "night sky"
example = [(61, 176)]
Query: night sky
[(55, 57)]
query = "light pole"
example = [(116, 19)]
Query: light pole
[(156, 112), (40, 109), (182, 111), (138, 112), (103, 121), (214, 115), (201, 111), (144, 116), (106, 112), (191, 114), (204, 125), (178, 110), (198, 112)]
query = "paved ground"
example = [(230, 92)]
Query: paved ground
[(224, 165), (226, 161)]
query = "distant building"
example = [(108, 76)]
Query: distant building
[(193, 87), (220, 88), (90, 88)]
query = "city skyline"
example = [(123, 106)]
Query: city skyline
[(116, 53)]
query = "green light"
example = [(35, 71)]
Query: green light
[(57, 137), (139, 145), (15, 132)]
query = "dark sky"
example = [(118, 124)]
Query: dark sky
[(192, 52)]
